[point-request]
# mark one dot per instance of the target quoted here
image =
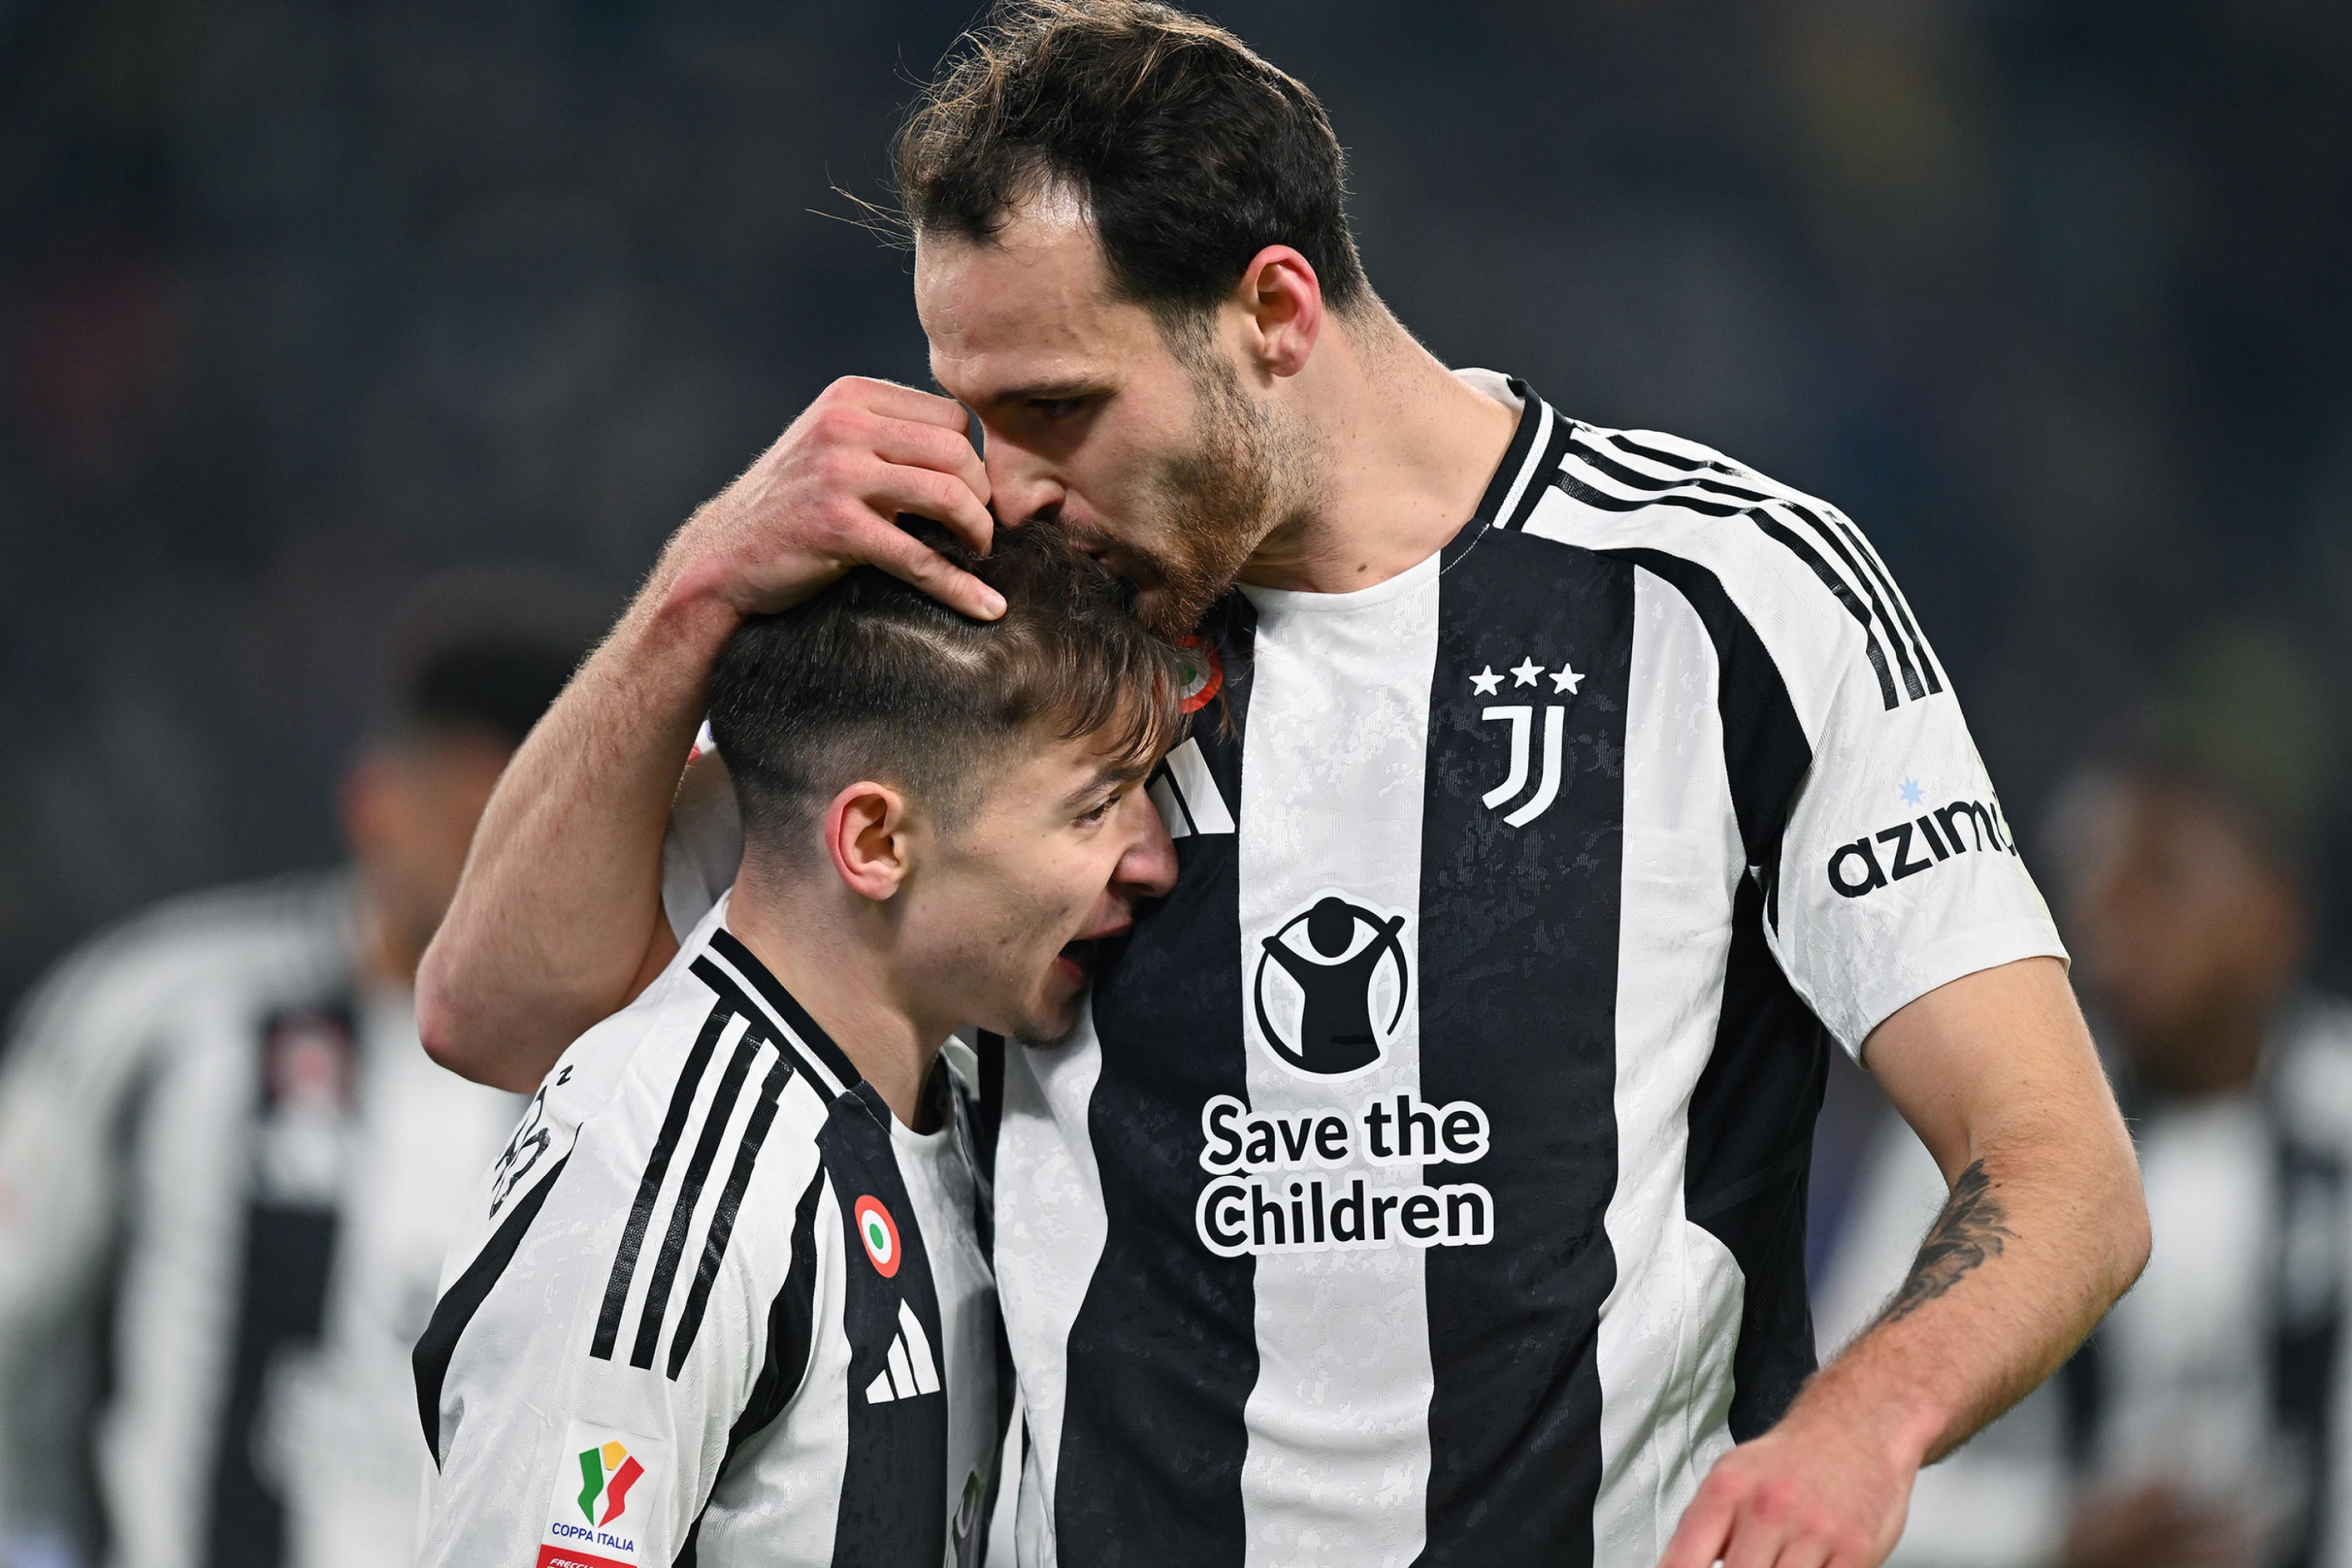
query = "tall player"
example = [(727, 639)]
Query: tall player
[(228, 1173), (1632, 762)]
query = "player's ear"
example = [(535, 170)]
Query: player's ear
[(1282, 305), (867, 834)]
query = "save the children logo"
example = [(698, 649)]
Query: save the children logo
[(1331, 986), (879, 1232)]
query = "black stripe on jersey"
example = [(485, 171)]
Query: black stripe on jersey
[(1765, 753), (689, 1195), (430, 1359), (1843, 538), (722, 1217), (1523, 925), (287, 1266), (1774, 530), (1563, 430), (1516, 469), (641, 1213), (893, 1509), (1177, 977), (1624, 443), (1576, 490), (1592, 457), (1751, 1116), (788, 1008), (1870, 558), (1779, 532), (1893, 633), (792, 1320), (790, 1325), (731, 994), (1749, 1154)]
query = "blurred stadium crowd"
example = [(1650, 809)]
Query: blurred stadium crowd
[(302, 305)]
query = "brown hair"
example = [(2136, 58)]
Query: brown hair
[(872, 678), (1192, 152)]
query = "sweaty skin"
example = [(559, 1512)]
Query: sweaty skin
[(1091, 417)]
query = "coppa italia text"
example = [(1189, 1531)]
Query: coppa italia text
[(1256, 1205)]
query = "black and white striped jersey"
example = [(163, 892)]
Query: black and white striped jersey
[(1426, 1184), (715, 1304), (227, 1169)]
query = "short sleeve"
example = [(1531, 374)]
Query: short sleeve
[(1899, 870), (588, 1399)]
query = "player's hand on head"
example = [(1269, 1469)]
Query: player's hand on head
[(1822, 1496), (827, 495)]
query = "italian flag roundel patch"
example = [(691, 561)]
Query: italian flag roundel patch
[(1204, 672), (879, 1232)]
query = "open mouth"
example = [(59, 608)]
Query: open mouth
[(1079, 956)]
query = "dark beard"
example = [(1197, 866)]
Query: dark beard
[(1220, 500)]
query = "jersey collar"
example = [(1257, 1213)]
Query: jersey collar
[(781, 1008)]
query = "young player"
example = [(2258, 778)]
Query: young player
[(724, 1299)]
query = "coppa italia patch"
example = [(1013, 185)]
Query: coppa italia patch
[(609, 1490)]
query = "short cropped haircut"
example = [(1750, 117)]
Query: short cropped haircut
[(1193, 154), (872, 678)]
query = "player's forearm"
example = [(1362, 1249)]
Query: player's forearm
[(561, 893), (2044, 1230)]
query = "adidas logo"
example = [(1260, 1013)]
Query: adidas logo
[(1187, 797), (911, 1371)]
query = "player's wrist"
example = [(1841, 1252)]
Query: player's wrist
[(689, 607), (1898, 1420)]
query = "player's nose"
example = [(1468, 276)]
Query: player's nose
[(1148, 869), (1020, 484)]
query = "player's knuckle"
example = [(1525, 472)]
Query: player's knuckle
[(836, 425)]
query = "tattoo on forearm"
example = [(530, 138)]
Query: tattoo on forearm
[(1971, 1229)]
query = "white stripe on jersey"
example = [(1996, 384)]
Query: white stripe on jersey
[(1050, 1227), (1669, 1324), (1338, 1471)]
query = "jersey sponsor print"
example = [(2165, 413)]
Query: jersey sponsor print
[(1426, 1184), (740, 1314)]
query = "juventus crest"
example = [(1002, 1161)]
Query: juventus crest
[(1524, 719)]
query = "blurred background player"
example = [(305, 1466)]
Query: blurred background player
[(2203, 1423), (228, 1174)]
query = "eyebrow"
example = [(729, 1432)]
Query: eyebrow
[(1068, 386), (1103, 779)]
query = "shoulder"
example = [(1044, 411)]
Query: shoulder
[(1754, 558), (247, 946)]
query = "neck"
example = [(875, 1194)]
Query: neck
[(1402, 450), (844, 983)]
